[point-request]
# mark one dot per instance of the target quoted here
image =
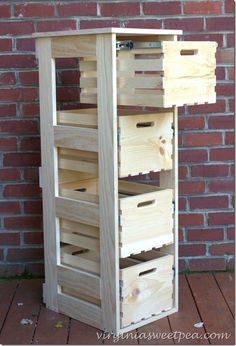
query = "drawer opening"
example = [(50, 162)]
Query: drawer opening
[(145, 124), (189, 52), (146, 203), (149, 271)]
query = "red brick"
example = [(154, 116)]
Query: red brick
[(8, 144), (186, 250), (9, 207), (220, 24), (33, 238), (34, 10), (181, 237), (189, 123), (5, 11), (203, 264), (9, 238), (231, 105), (191, 187), (230, 264), (21, 159), (7, 78), (231, 233), (221, 218), (69, 77), (231, 73), (23, 222), (25, 254), (143, 23), (222, 154), (205, 234), (120, 9), (203, 7), (62, 63), (229, 138), (22, 190), (161, 8), (222, 249), (29, 109), (221, 185), (77, 9), (19, 126), (7, 110), (8, 174), (17, 61), (218, 107), (183, 172), (229, 6), (25, 44), (182, 265), (30, 143), (225, 89), (209, 202), (37, 269), (191, 219), (100, 23), (220, 73), (5, 44), (192, 155), (19, 94), (230, 40), (33, 207), (67, 94), (205, 37), (182, 203), (29, 78), (16, 28), (186, 24), (31, 174), (221, 122), (232, 170), (209, 170), (11, 269), (1, 255), (199, 139), (56, 25), (225, 56)]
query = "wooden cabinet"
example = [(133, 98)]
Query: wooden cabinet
[(111, 244)]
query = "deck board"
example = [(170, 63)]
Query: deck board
[(7, 292), (153, 332), (226, 283), (82, 334)]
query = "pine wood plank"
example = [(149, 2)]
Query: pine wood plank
[(7, 292), (226, 282), (151, 333), (212, 307), (29, 292), (52, 328), (73, 46), (83, 334), (187, 316)]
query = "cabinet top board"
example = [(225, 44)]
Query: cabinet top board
[(118, 31)]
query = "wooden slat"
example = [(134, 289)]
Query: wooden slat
[(73, 46), (76, 165), (79, 281), (66, 176), (83, 261), (78, 211), (79, 240), (140, 65), (47, 82), (7, 292), (226, 282), (78, 309), (87, 65), (72, 226), (83, 334), (214, 312), (86, 117), (76, 138), (108, 181)]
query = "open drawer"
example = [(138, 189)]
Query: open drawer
[(174, 73), (144, 140), (146, 282), (146, 212)]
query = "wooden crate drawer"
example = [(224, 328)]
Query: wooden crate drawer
[(146, 287), (177, 73), (144, 140), (146, 212)]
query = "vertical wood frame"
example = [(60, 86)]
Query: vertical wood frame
[(49, 177), (108, 180)]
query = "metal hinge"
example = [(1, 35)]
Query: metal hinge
[(128, 45)]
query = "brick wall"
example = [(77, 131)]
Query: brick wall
[(206, 135)]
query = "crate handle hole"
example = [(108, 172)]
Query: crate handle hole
[(145, 124), (149, 271), (79, 252), (189, 52), (145, 204), (82, 189)]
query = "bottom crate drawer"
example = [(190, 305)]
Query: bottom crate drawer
[(146, 287)]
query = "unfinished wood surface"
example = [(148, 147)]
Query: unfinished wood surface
[(79, 281), (7, 292), (145, 143), (73, 46), (81, 310), (108, 180), (71, 226), (77, 239), (226, 283), (84, 190), (76, 138), (47, 92), (78, 117), (146, 289), (66, 176), (78, 160)]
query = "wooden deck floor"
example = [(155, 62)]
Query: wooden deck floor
[(203, 297)]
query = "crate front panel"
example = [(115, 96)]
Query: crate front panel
[(146, 289)]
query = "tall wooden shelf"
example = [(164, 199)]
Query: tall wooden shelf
[(111, 245)]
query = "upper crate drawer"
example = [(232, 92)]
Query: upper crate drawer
[(177, 73)]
